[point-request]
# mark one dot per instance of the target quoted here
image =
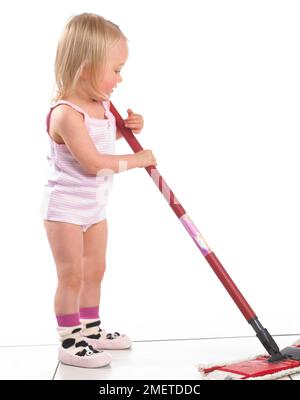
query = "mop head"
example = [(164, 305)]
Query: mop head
[(257, 368)]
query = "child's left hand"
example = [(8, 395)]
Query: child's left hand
[(134, 121)]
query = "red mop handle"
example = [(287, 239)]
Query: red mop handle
[(187, 222)]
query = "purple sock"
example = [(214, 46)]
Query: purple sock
[(89, 312), (68, 319)]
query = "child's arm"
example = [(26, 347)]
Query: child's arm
[(69, 124)]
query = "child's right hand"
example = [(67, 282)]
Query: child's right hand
[(144, 158)]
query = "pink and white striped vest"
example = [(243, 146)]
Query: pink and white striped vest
[(71, 194)]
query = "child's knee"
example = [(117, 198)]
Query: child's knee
[(71, 281)]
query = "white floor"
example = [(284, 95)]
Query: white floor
[(171, 359)]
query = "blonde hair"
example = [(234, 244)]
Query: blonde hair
[(84, 43)]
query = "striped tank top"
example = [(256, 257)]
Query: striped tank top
[(71, 194)]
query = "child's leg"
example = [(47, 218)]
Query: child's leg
[(94, 255), (66, 243), (94, 262)]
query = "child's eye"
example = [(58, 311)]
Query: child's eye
[(118, 71)]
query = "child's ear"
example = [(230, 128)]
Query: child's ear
[(85, 70)]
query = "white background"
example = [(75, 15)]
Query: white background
[(217, 83)]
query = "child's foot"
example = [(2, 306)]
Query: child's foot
[(75, 350), (100, 339)]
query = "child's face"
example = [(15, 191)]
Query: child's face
[(117, 57)]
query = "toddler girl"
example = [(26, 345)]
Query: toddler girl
[(82, 134)]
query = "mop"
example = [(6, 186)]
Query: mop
[(276, 363)]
